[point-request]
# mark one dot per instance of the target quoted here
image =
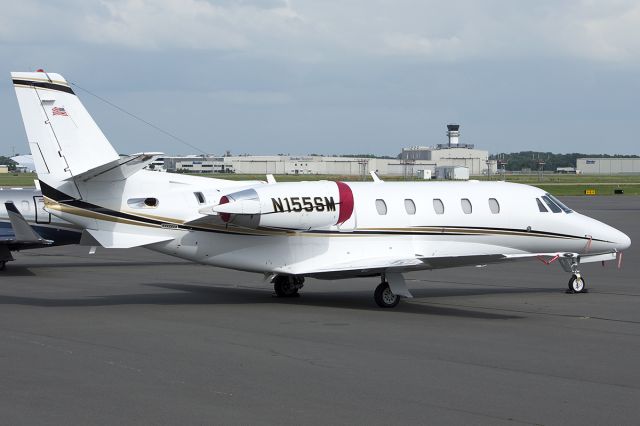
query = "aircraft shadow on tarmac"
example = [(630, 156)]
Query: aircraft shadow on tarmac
[(24, 270), (106, 264), (185, 294)]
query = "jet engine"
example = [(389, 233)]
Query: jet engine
[(288, 205)]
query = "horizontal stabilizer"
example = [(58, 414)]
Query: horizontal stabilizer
[(119, 169), (109, 239), (23, 232)]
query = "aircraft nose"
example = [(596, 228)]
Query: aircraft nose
[(621, 240)]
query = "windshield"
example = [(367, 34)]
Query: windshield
[(553, 206), (560, 204)]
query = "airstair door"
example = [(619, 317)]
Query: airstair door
[(42, 216)]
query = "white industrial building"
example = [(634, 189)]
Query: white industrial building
[(607, 166), (452, 172), (413, 161)]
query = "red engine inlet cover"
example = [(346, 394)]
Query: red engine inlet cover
[(346, 202), (226, 217)]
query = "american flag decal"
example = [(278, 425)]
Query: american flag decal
[(59, 111)]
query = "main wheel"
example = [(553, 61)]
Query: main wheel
[(384, 297), (285, 286), (577, 284), (3, 264)]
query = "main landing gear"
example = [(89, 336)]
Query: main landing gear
[(390, 290), (384, 297), (287, 285)]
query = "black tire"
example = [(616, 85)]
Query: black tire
[(577, 284), (3, 264), (284, 286), (384, 297)]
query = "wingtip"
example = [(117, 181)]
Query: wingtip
[(11, 207)]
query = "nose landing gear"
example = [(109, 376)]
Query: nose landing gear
[(577, 283)]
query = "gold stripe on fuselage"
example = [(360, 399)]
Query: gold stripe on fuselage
[(63, 208)]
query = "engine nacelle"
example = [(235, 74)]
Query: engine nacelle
[(288, 205)]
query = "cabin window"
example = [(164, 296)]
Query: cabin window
[(381, 207), (559, 204), (200, 197), (438, 206), (541, 206), (143, 203), (25, 206), (494, 206), (553, 206), (466, 205), (410, 206)]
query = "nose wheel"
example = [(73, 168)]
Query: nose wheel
[(577, 284)]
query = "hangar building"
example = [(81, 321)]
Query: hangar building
[(411, 161), (607, 166)]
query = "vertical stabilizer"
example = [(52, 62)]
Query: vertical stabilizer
[(63, 138)]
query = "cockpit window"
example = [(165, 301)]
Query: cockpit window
[(553, 206), (560, 204), (541, 206)]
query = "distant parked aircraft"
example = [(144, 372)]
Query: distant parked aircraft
[(25, 224)]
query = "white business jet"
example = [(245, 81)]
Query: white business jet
[(290, 231)]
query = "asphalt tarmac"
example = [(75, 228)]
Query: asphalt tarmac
[(131, 336)]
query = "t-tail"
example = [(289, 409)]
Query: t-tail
[(63, 138)]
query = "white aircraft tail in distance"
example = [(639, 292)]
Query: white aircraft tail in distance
[(293, 230)]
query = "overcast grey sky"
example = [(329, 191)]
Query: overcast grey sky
[(349, 76)]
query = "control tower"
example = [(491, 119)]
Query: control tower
[(453, 133)]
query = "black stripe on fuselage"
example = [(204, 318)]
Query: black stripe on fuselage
[(63, 198), (44, 85)]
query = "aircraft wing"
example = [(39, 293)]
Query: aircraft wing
[(23, 232), (23, 235), (364, 267)]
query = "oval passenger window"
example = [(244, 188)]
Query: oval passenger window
[(381, 207), (438, 206), (494, 206), (466, 205), (410, 206)]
